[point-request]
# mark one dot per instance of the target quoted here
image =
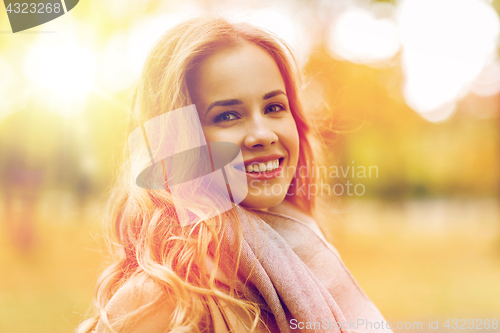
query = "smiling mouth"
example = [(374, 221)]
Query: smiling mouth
[(261, 167)]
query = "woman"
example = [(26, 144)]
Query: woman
[(262, 266)]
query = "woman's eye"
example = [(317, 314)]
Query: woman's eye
[(226, 116), (275, 108)]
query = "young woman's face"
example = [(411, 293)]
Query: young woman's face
[(241, 98)]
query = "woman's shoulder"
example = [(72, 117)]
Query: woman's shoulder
[(139, 293), (139, 305)]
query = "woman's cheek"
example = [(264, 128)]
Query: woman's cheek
[(292, 142), (219, 134)]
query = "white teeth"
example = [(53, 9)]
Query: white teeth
[(263, 167)]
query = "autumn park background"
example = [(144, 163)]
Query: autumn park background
[(411, 87)]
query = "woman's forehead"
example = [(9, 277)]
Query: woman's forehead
[(245, 70)]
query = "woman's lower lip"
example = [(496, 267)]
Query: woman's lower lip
[(265, 175)]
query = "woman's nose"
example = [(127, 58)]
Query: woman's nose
[(259, 134)]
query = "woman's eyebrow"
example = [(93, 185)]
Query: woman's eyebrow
[(226, 102), (273, 93)]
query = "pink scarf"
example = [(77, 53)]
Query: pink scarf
[(299, 278)]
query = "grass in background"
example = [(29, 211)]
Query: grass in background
[(50, 289), (414, 271)]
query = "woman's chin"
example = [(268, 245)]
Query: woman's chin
[(261, 202)]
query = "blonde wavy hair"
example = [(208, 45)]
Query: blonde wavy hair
[(147, 241)]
